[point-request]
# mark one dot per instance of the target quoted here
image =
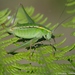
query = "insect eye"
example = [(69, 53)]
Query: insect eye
[(52, 36)]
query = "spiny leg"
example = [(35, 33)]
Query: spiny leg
[(27, 16), (31, 51), (54, 48), (33, 47)]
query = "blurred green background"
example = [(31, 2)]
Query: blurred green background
[(50, 8)]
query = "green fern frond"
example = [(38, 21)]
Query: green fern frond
[(73, 33), (60, 42), (8, 40), (70, 2), (16, 57), (65, 50), (47, 25), (42, 22), (39, 18), (71, 23), (4, 16), (3, 13)]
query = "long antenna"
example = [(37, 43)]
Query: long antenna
[(15, 14), (59, 18), (61, 13), (63, 21)]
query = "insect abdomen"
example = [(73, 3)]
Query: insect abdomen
[(27, 33)]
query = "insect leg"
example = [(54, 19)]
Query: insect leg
[(53, 37), (53, 47), (31, 51), (27, 44), (28, 17), (15, 15)]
